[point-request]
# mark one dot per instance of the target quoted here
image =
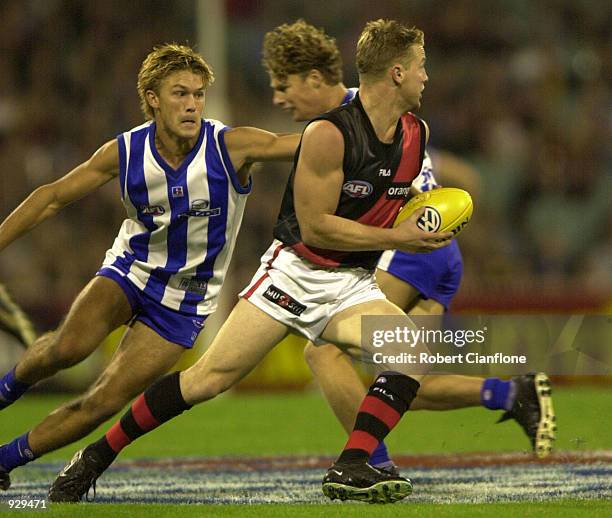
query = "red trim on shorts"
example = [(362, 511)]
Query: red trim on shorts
[(117, 439), (255, 286), (142, 415), (277, 251), (252, 289), (361, 440), (379, 409)]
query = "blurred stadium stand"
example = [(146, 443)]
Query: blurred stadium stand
[(521, 90)]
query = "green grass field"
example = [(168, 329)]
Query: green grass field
[(251, 425), (302, 423), (565, 508)]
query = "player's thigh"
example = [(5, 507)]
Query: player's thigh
[(245, 338), (344, 328), (100, 308), (141, 358), (401, 293)]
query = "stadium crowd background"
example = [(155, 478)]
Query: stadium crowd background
[(517, 88)]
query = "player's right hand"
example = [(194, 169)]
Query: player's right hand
[(412, 239)]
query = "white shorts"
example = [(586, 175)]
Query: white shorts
[(305, 296)]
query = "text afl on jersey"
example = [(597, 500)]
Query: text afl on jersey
[(198, 209), (357, 188), (362, 189)]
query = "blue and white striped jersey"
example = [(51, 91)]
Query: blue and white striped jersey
[(425, 181), (181, 226)]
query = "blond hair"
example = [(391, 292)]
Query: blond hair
[(162, 61), (382, 42), (298, 48)]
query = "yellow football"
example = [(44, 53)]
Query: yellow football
[(446, 210)]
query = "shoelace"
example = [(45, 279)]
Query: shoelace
[(92, 486)]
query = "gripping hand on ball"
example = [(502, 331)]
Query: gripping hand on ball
[(412, 239)]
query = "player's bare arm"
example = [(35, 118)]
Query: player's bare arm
[(246, 145), (49, 199), (318, 184)]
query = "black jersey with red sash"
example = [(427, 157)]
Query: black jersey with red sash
[(377, 180)]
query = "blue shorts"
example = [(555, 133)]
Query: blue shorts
[(175, 326), (435, 275)]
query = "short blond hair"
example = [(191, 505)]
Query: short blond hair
[(299, 47), (162, 61), (382, 42)]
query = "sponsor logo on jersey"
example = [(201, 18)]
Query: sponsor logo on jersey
[(399, 191), (384, 172), (357, 189), (193, 285), (177, 191), (280, 298), (151, 210), (430, 221), (200, 209)]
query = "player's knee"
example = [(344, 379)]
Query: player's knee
[(58, 351), (310, 354), (67, 349), (317, 357), (99, 404), (65, 354), (209, 387)]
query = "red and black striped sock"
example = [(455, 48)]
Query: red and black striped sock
[(387, 400), (160, 402)]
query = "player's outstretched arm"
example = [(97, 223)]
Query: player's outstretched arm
[(49, 199), (318, 184), (246, 145)]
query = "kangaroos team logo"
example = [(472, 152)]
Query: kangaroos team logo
[(201, 209), (430, 221)]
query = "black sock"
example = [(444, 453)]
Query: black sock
[(160, 402), (387, 400)]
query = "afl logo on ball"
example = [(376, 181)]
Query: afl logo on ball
[(357, 189), (430, 221)]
